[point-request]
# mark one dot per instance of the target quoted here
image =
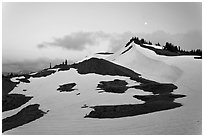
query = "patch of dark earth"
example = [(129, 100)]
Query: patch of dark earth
[(67, 87), (13, 101), (8, 85), (153, 103), (161, 97), (156, 88), (26, 115), (64, 68), (103, 67), (116, 86), (43, 73), (105, 53), (198, 57), (128, 110), (24, 80), (120, 86)]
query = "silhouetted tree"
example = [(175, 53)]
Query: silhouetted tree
[(150, 43), (157, 44), (11, 75), (170, 47), (65, 62)]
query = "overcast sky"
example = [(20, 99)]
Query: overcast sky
[(73, 30)]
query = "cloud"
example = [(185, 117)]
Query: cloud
[(76, 41)]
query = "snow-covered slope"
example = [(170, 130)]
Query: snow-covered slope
[(147, 63), (66, 116)]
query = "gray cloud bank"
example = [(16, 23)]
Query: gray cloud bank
[(82, 40), (76, 41)]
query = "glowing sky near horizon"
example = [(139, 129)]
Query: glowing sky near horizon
[(25, 25)]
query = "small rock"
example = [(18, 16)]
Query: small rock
[(78, 94)]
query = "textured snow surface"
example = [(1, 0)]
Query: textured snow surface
[(65, 114), (147, 63)]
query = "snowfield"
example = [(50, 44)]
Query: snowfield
[(65, 115), (147, 63)]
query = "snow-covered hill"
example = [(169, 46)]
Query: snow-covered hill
[(66, 114), (147, 63)]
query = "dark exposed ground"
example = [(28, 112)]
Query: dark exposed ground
[(105, 53), (120, 86), (26, 115), (103, 67), (116, 86), (153, 103), (7, 85), (64, 67), (156, 88), (198, 57), (162, 97), (43, 73), (24, 80), (12, 101), (163, 100), (127, 110), (66, 87)]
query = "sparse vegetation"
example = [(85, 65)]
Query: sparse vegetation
[(168, 49)]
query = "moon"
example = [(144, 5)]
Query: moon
[(145, 23)]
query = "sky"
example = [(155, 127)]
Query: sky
[(35, 31)]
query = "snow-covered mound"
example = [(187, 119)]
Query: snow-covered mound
[(146, 62)]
